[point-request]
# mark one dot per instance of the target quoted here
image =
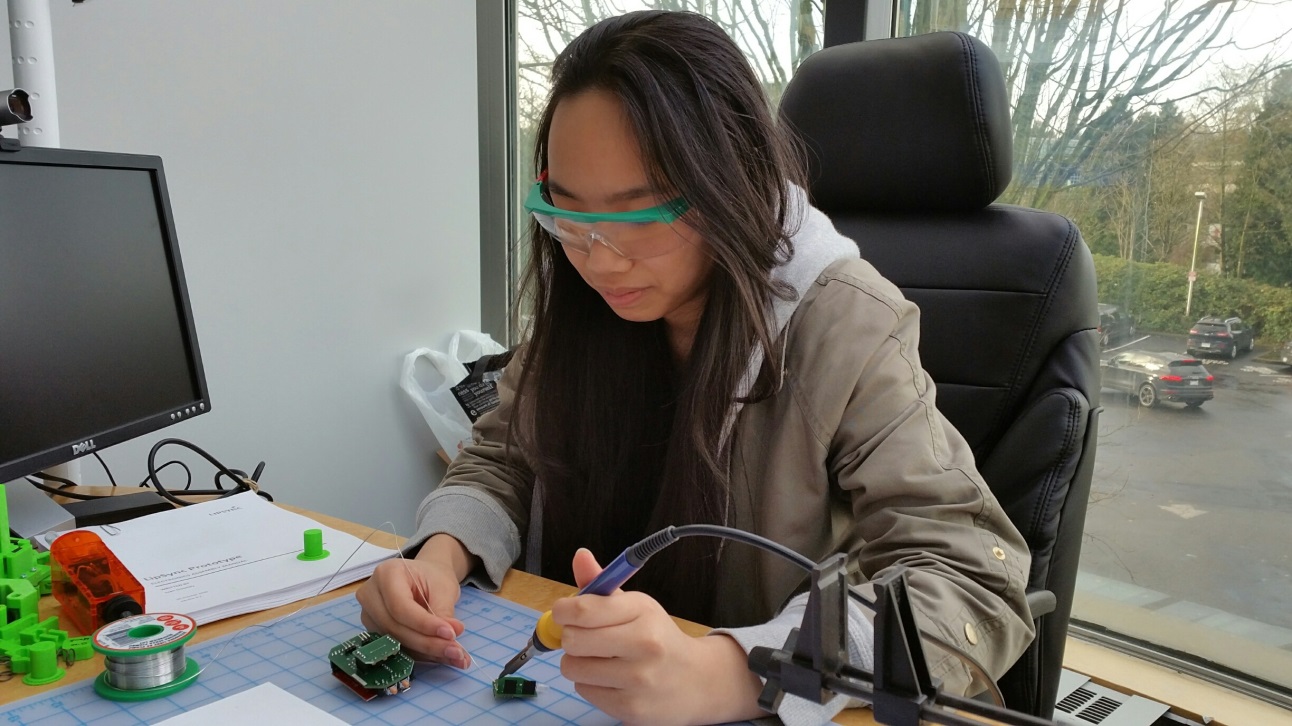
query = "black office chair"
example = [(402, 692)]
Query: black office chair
[(909, 146)]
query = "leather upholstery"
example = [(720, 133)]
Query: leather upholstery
[(908, 142)]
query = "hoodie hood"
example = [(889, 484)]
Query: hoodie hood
[(817, 245)]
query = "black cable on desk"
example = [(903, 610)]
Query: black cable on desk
[(173, 462), (50, 477), (60, 492), (69, 483), (243, 482), (104, 464)]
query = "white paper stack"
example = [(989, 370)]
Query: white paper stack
[(231, 556)]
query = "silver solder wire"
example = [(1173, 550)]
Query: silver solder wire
[(141, 672)]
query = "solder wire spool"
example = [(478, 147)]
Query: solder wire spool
[(143, 657)]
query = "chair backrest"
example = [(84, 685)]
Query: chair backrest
[(909, 146)]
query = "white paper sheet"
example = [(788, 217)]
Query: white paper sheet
[(231, 556), (266, 703)]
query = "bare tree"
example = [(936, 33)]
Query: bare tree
[(1226, 118), (1123, 199), (776, 35), (1077, 69)]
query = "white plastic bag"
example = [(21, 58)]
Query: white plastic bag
[(448, 422)]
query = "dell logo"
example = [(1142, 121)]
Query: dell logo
[(84, 447)]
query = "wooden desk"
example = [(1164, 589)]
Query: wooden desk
[(1190, 696), (519, 587)]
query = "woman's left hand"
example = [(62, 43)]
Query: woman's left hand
[(628, 658)]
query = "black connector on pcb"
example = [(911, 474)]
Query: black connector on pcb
[(110, 510)]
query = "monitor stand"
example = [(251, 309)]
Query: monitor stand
[(31, 513)]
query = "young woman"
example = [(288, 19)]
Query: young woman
[(704, 348)]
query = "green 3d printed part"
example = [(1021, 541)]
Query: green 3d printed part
[(313, 546), (29, 646), (370, 665)]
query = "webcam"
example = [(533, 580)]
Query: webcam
[(16, 108)]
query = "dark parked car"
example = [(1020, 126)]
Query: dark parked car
[(1114, 325), (1153, 377), (1286, 354), (1220, 337)]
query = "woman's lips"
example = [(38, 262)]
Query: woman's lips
[(621, 296)]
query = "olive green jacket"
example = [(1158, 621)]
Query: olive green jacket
[(849, 455)]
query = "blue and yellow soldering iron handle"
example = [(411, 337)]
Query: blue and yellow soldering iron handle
[(547, 633)]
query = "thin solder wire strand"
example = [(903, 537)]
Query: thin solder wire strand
[(307, 601)]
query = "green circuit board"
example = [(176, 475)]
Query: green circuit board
[(371, 665)]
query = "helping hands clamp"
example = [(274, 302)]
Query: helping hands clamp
[(902, 692)]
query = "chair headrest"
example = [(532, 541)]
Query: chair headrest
[(919, 123)]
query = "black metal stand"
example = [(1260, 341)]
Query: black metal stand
[(814, 663)]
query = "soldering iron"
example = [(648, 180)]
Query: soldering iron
[(547, 633)]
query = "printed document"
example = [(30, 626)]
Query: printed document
[(233, 555)]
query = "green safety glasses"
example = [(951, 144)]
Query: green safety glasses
[(634, 235)]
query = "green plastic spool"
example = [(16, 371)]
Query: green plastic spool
[(141, 635), (112, 693)]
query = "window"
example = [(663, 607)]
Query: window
[(1164, 130)]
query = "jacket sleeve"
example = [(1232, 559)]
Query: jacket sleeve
[(917, 498), (794, 711), (484, 499)]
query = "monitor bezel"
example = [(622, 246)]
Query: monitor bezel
[(96, 441)]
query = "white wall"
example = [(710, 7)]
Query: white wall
[(322, 163)]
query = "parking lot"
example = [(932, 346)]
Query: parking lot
[(1196, 504)]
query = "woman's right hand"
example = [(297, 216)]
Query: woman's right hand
[(412, 601)]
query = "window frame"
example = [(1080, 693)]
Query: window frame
[(496, 101)]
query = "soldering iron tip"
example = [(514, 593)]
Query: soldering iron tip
[(516, 662)]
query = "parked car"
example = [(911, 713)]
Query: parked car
[(1114, 325), (1220, 337), (1152, 377), (1286, 354)]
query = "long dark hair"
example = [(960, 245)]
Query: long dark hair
[(622, 440)]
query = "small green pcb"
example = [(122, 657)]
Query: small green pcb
[(371, 664), (376, 651), (514, 687)]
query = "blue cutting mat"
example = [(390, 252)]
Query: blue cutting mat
[(293, 655)]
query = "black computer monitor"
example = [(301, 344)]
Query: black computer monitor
[(97, 344)]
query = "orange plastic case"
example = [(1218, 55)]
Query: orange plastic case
[(90, 583)]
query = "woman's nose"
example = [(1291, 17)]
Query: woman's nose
[(602, 257)]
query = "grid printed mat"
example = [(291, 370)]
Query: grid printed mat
[(293, 655)]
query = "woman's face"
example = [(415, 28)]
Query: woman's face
[(594, 165)]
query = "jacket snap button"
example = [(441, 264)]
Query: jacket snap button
[(1000, 553), (971, 634)]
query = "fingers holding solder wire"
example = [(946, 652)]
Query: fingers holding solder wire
[(455, 655), (412, 601)]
